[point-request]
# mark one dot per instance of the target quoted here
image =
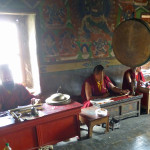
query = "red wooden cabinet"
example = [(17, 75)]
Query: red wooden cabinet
[(58, 130), (58, 123), (19, 139)]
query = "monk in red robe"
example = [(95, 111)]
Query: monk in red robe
[(12, 94), (98, 85), (132, 75)]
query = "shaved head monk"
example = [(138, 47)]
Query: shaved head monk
[(132, 75), (12, 94), (97, 86)]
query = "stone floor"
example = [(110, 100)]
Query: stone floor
[(134, 134)]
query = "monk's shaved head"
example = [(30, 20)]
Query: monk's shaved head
[(98, 69)]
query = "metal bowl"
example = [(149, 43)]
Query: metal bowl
[(58, 98), (60, 103)]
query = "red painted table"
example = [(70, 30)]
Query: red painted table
[(57, 123)]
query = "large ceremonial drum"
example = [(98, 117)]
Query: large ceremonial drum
[(131, 42)]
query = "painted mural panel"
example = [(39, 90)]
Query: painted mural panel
[(94, 26), (78, 30), (54, 13), (60, 45)]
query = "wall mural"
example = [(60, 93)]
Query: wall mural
[(79, 30)]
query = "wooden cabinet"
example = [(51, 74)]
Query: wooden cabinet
[(19, 139), (123, 106), (124, 109), (145, 102), (58, 123), (58, 130)]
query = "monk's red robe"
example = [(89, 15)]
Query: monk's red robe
[(95, 91), (18, 96), (125, 84)]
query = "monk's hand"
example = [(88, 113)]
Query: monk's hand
[(106, 95), (35, 101), (126, 92), (140, 83)]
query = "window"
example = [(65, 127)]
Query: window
[(18, 48), (9, 49)]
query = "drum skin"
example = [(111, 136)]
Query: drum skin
[(131, 42)]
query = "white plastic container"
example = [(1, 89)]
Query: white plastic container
[(101, 112)]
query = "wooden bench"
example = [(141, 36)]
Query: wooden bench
[(89, 117)]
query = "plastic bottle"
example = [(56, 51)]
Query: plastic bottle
[(7, 147)]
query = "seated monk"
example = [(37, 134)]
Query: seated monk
[(12, 94), (130, 76), (98, 85)]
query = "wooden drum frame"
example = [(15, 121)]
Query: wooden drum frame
[(131, 42)]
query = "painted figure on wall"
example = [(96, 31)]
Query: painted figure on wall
[(60, 46), (100, 48), (54, 13), (128, 12), (95, 20), (67, 45), (85, 51), (101, 45), (50, 48)]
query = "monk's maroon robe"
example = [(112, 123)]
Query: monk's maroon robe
[(95, 91), (18, 96), (126, 84)]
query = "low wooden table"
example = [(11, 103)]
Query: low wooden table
[(89, 117), (145, 101), (123, 106)]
